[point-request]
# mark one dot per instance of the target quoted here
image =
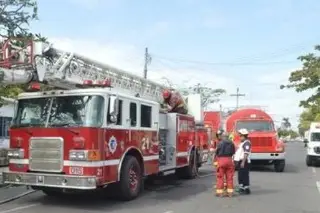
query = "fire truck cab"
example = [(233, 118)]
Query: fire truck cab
[(267, 148)]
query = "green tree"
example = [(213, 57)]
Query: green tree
[(286, 133), (310, 114), (307, 78), (285, 124), (15, 17), (209, 95)]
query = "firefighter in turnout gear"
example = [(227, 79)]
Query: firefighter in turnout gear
[(174, 102), (225, 167), (216, 142), (242, 157)]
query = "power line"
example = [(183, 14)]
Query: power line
[(223, 63)]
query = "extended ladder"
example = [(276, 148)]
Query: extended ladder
[(66, 70)]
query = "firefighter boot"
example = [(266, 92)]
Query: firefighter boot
[(219, 193), (230, 192)]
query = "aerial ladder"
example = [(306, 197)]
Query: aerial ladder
[(36, 61)]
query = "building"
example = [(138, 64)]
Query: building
[(6, 114)]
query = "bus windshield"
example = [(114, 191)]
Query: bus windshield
[(255, 126), (60, 111)]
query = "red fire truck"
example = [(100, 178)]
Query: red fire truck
[(266, 146), (88, 134), (212, 120)]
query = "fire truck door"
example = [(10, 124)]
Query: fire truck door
[(131, 122)]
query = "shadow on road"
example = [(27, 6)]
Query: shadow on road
[(290, 168), (165, 189)]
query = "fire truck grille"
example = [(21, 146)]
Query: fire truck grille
[(46, 154), (261, 141)]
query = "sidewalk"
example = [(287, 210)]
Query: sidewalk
[(2, 169)]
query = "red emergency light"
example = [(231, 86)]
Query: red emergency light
[(34, 87), (100, 83)]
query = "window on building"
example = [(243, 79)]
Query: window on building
[(133, 114), (4, 126), (146, 114)]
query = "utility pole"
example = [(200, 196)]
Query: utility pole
[(147, 61), (237, 95), (198, 88)]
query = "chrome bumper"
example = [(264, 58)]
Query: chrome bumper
[(50, 180)]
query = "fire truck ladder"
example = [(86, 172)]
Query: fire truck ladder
[(41, 62)]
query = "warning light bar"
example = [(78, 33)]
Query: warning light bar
[(103, 83), (253, 116)]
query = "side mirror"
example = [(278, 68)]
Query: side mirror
[(113, 108)]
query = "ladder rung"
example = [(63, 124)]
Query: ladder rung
[(71, 69)]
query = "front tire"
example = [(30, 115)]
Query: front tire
[(279, 165), (309, 161), (130, 184)]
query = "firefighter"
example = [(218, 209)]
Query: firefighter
[(225, 167), (215, 144), (242, 157), (174, 102)]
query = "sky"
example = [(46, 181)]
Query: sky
[(227, 44)]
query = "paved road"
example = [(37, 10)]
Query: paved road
[(294, 191)]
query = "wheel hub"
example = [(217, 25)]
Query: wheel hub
[(133, 178)]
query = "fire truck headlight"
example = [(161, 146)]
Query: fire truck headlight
[(78, 155), (15, 153)]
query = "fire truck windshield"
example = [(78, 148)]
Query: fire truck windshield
[(63, 111), (252, 126)]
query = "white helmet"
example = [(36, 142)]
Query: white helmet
[(243, 132)]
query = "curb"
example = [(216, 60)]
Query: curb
[(16, 197)]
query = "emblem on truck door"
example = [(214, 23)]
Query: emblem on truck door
[(112, 144)]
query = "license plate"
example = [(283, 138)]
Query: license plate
[(76, 170)]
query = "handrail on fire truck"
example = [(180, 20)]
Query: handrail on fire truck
[(40, 62)]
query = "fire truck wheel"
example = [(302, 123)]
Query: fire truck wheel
[(279, 165), (190, 171), (130, 179)]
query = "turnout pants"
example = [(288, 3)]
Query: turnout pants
[(243, 175), (225, 170)]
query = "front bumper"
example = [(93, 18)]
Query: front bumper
[(267, 156), (50, 180)]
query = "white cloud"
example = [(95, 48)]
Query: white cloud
[(279, 103)]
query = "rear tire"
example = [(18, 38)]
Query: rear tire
[(279, 165), (190, 171), (130, 184)]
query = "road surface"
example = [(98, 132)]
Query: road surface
[(295, 191)]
